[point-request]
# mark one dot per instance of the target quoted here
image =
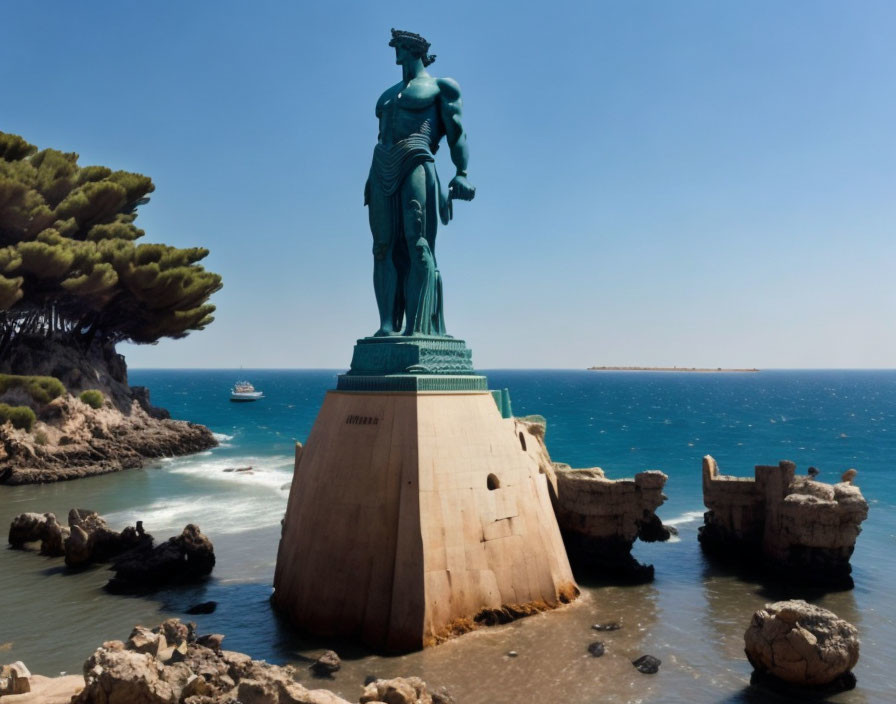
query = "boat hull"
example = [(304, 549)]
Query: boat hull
[(244, 397)]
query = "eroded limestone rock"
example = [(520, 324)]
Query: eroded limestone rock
[(15, 679), (399, 690), (801, 643), (600, 518), (190, 673), (803, 527)]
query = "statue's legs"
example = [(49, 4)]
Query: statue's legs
[(385, 276), (422, 290)]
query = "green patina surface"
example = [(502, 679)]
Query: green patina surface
[(412, 382), (411, 355), (411, 350)]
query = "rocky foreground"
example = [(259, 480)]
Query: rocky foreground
[(171, 664), (71, 440)]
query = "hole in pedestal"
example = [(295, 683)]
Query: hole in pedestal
[(492, 482), (522, 441)]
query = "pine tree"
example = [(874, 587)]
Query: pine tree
[(70, 264)]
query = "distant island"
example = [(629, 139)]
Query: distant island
[(666, 369)]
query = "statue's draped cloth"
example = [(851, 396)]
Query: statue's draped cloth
[(391, 165)]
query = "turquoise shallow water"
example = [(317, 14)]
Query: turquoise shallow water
[(692, 617)]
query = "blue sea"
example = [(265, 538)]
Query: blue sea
[(692, 616)]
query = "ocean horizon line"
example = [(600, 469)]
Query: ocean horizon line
[(671, 370)]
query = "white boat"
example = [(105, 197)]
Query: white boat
[(244, 391)]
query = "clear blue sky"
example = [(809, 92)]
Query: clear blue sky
[(658, 183)]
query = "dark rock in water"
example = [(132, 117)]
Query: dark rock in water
[(141, 395), (597, 649), (91, 540), (186, 558), (652, 530), (27, 528), (326, 664), (370, 679), (647, 664), (610, 626), (31, 527), (206, 607)]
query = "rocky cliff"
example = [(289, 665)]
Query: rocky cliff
[(71, 439)]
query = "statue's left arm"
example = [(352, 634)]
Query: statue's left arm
[(450, 104)]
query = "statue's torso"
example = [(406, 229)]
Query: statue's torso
[(408, 110)]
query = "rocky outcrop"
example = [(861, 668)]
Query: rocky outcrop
[(803, 528), (802, 644), (72, 440), (169, 664), (91, 540), (43, 527), (14, 679), (188, 557), (139, 565), (600, 518), (402, 690)]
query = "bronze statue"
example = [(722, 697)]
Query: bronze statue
[(403, 193)]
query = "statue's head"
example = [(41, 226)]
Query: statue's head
[(410, 45)]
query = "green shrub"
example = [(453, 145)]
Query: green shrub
[(92, 398), (21, 416), (42, 389), (40, 437)]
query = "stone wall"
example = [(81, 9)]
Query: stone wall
[(805, 527)]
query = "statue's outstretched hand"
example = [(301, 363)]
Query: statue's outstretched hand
[(461, 189)]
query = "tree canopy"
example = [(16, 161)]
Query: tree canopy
[(70, 265)]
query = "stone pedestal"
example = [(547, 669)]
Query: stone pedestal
[(411, 513)]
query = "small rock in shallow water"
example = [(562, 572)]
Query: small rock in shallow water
[(326, 664), (512, 653), (597, 649), (647, 664), (369, 679), (611, 626), (206, 607)]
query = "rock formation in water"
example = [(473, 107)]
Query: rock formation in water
[(601, 518), (139, 565), (804, 528), (188, 557), (802, 644)]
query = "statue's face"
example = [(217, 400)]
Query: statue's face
[(403, 54)]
